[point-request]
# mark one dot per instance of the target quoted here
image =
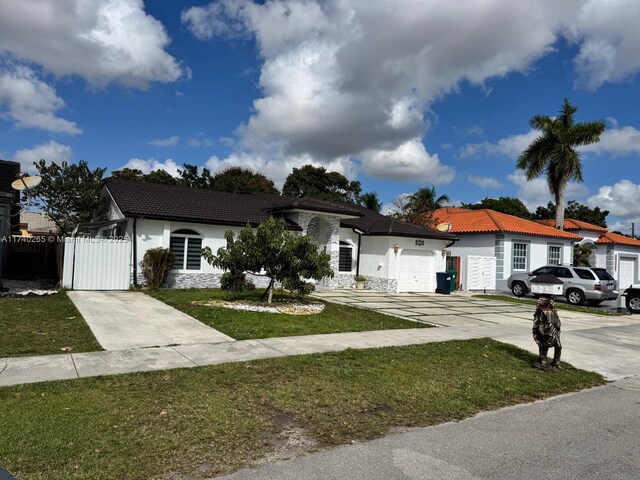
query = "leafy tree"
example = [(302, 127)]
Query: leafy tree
[(271, 251), (69, 193), (157, 176), (370, 200), (581, 256), (316, 182), (242, 180), (190, 177), (422, 204), (554, 152), (509, 205), (574, 210)]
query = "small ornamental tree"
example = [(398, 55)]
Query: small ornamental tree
[(271, 251), (155, 266)]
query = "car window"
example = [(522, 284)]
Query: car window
[(602, 274), (543, 271), (562, 272), (584, 274)]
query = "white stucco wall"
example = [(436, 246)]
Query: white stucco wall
[(627, 251)]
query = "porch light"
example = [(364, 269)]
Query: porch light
[(396, 247)]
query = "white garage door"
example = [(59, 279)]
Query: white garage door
[(481, 273), (416, 271), (627, 272)]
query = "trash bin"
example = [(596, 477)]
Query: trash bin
[(443, 283), (454, 275)]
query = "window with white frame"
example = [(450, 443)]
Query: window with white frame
[(554, 255), (186, 245), (345, 260), (520, 251)]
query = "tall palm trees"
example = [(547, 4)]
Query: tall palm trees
[(422, 204), (554, 152)]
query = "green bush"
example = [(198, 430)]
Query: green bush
[(299, 287), (155, 265), (234, 283)]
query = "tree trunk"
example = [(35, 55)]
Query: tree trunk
[(268, 293), (560, 208)]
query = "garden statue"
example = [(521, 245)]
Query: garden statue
[(546, 332)]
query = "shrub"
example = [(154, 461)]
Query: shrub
[(299, 287), (155, 266), (234, 283)]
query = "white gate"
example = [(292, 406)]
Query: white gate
[(481, 273), (97, 264)]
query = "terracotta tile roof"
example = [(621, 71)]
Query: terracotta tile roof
[(486, 220), (617, 239), (573, 224), (168, 202)]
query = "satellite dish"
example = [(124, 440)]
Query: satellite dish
[(444, 227), (26, 182)]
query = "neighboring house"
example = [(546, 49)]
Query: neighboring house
[(393, 255), (494, 245), (36, 223), (620, 255)]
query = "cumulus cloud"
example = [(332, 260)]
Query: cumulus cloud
[(535, 192), (617, 141), (29, 102), (51, 152), (510, 146), (151, 165), (337, 82), (621, 199), (101, 41), (409, 161), (484, 182), (165, 142)]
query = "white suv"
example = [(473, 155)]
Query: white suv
[(581, 284)]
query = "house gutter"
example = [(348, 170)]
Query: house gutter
[(135, 253)]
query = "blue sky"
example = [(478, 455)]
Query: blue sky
[(399, 95)]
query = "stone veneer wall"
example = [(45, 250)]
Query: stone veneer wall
[(203, 280)]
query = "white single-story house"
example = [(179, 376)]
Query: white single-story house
[(394, 256), (618, 254), (493, 245)]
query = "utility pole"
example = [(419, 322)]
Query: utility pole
[(633, 230)]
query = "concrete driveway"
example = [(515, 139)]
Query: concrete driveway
[(130, 320)]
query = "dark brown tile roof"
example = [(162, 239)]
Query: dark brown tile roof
[(167, 202)]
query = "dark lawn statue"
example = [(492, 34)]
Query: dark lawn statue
[(546, 332)]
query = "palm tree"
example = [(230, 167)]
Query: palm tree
[(554, 152), (422, 204)]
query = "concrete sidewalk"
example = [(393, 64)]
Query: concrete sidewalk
[(128, 320), (607, 345)]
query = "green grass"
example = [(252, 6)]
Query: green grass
[(42, 326), (211, 420), (559, 306), (241, 324)]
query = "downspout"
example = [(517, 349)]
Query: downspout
[(358, 257), (135, 253)]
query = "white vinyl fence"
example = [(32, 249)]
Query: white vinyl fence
[(96, 264)]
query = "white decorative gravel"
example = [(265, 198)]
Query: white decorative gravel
[(23, 287)]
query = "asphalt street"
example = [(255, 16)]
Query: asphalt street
[(587, 435)]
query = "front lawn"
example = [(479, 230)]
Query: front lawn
[(211, 420), (42, 326), (242, 324)]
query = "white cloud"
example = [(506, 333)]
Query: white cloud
[(621, 199), (337, 82), (151, 165), (101, 41), (51, 152), (510, 146), (165, 142), (535, 192), (484, 182), (609, 41), (30, 102), (617, 141), (200, 140), (409, 161)]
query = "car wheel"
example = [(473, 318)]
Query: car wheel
[(575, 297), (633, 303), (519, 289)]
